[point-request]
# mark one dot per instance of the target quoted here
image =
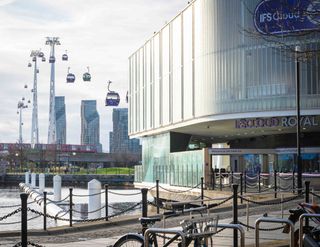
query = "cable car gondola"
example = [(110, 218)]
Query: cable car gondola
[(25, 86), (52, 59), (32, 90), (127, 97), (34, 59), (37, 70), (29, 101), (86, 76), (112, 98), (70, 77), (65, 57), (43, 59), (29, 65)]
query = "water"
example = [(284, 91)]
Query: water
[(11, 196)]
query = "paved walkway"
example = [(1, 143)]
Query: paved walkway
[(223, 239)]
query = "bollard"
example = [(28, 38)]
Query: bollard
[(293, 182), (235, 214), (157, 196), (259, 181), (275, 183), (24, 220), (94, 194), (307, 198), (44, 210), (202, 194), (241, 187), (70, 207), (33, 180), (106, 188), (281, 204), (144, 193), (41, 182), (56, 188), (247, 209), (245, 182), (27, 178)]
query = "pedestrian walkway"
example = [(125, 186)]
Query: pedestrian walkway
[(223, 239)]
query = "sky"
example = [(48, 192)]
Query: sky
[(101, 34)]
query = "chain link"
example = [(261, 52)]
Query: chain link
[(121, 194), (99, 193), (314, 194), (179, 191), (271, 203), (10, 214)]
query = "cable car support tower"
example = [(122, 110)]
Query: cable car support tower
[(35, 123), (52, 41)]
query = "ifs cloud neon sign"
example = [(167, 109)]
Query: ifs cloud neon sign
[(286, 16)]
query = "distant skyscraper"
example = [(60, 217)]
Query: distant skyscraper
[(90, 124), (61, 125), (119, 139)]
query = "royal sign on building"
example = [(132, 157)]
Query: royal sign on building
[(273, 17), (273, 122)]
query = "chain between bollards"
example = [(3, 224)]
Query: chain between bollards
[(259, 181), (70, 207), (44, 210), (24, 220), (106, 188)]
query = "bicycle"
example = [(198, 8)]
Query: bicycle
[(311, 237), (197, 231)]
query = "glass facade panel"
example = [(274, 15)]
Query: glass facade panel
[(187, 64), (165, 75)]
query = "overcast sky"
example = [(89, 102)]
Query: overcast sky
[(101, 34)]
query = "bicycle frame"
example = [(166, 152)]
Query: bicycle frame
[(301, 218)]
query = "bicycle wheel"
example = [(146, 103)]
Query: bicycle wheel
[(129, 240)]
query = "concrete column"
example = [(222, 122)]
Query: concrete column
[(56, 188), (27, 178), (94, 187), (33, 180), (41, 182)]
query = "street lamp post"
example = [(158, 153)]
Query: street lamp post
[(299, 161)]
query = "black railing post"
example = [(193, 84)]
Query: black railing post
[(307, 200), (259, 181), (44, 210), (293, 182), (275, 183), (106, 190), (70, 206), (241, 187), (202, 191), (245, 182), (231, 179), (235, 214), (24, 220), (213, 179), (144, 193), (157, 196)]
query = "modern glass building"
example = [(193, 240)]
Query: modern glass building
[(207, 78), (90, 124), (119, 139), (61, 123)]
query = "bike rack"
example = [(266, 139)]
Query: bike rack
[(273, 220), (233, 226), (161, 230), (302, 216)]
